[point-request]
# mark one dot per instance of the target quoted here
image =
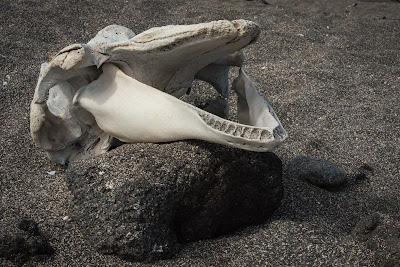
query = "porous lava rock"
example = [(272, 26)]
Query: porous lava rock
[(21, 240), (140, 201)]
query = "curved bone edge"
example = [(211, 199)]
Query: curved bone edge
[(51, 76), (148, 60), (253, 109), (74, 60), (134, 112), (149, 56)]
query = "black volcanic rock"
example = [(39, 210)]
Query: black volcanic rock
[(139, 201), (21, 240), (319, 172)]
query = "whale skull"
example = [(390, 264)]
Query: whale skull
[(122, 86)]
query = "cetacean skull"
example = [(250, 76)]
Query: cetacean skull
[(122, 86)]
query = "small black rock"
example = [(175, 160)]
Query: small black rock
[(317, 171), (21, 240), (29, 226)]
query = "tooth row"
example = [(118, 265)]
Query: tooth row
[(236, 130), (279, 132)]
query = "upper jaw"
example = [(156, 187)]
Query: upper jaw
[(168, 58)]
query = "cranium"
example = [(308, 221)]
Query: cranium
[(125, 86)]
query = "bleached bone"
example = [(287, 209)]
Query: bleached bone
[(124, 108), (255, 110), (166, 58)]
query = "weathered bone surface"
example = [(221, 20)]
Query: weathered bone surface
[(126, 86)]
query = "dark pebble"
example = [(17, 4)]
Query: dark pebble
[(317, 171)]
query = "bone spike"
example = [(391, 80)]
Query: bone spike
[(252, 108)]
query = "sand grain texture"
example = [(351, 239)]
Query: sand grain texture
[(330, 69)]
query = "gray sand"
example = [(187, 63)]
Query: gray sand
[(331, 72)]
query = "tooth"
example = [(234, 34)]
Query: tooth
[(247, 133), (211, 122), (231, 129), (238, 131), (224, 126), (255, 134), (279, 132), (265, 135), (217, 125)]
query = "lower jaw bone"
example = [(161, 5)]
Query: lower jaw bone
[(135, 112)]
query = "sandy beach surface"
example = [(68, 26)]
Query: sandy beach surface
[(330, 69)]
